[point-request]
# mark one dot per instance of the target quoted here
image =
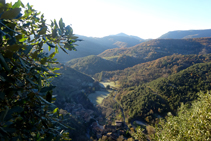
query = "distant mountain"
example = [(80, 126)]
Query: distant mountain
[(95, 46), (183, 34), (123, 34), (157, 48)]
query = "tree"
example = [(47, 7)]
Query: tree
[(108, 87), (25, 73)]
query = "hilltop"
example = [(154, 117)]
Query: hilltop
[(182, 34)]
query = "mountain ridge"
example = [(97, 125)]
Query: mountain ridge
[(184, 34)]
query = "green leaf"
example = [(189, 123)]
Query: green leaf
[(56, 49), (2, 78), (44, 38), (43, 60), (3, 63), (69, 30), (27, 24), (22, 5), (56, 26), (49, 48), (52, 55), (3, 132), (12, 41), (17, 4), (11, 14), (44, 100), (42, 30), (3, 114), (64, 50), (51, 45), (39, 83), (55, 110), (73, 37), (16, 109), (28, 49), (61, 24), (2, 95), (30, 81), (34, 55), (54, 33), (46, 89), (22, 63), (52, 24), (23, 39), (68, 46)]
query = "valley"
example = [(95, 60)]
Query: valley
[(97, 85), (134, 86)]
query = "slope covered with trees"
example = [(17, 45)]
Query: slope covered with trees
[(146, 72), (153, 97), (91, 64), (157, 48), (182, 34)]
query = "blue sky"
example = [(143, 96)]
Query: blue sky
[(143, 18)]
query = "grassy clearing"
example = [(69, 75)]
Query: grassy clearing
[(97, 97), (110, 58), (114, 84)]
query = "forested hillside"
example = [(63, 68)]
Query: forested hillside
[(157, 48), (150, 100), (146, 72), (182, 34), (121, 58), (91, 64)]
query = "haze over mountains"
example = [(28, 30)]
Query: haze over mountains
[(94, 46)]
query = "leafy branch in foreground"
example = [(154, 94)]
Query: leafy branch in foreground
[(25, 73), (190, 123)]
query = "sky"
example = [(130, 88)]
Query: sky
[(147, 19)]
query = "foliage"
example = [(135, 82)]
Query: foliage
[(25, 73), (166, 94), (154, 99), (190, 124)]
